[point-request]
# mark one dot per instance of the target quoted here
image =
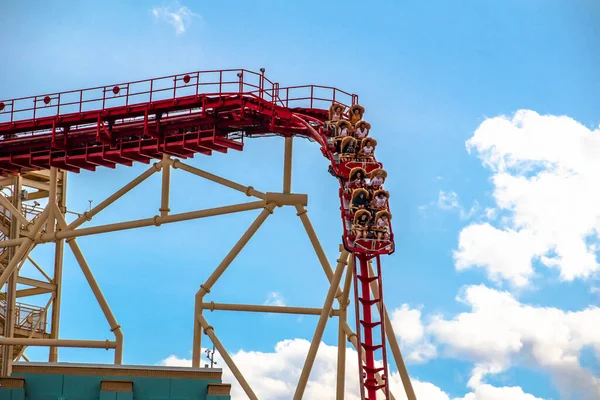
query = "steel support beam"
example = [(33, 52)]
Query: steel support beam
[(316, 341), (212, 306), (11, 287), (210, 332), (205, 288), (60, 200), (341, 361), (287, 165)]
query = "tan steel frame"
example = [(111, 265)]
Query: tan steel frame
[(51, 227)]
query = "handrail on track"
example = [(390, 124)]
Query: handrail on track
[(26, 316), (211, 82)]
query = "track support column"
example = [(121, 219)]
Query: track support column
[(166, 183), (316, 341), (11, 287), (89, 276), (60, 197), (287, 165), (342, 321), (205, 288), (228, 360)]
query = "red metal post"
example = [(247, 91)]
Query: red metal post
[(368, 319), (359, 346), (197, 82)]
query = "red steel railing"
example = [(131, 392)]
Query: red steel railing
[(215, 82)]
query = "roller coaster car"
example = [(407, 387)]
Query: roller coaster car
[(356, 180), (380, 200), (356, 113), (381, 227), (367, 149), (362, 129), (360, 224), (377, 179), (348, 149), (360, 200)]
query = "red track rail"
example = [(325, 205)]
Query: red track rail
[(181, 115)]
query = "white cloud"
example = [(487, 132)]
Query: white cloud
[(177, 15), (275, 299), (411, 333), (274, 375), (489, 392), (545, 174), (500, 331), (506, 253)]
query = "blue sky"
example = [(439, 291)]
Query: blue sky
[(429, 74)]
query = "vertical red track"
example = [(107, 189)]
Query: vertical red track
[(370, 332)]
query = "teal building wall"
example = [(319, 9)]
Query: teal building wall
[(85, 382)]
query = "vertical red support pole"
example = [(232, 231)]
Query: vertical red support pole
[(365, 330), (146, 122), (53, 133), (359, 346), (261, 85), (197, 82), (365, 292), (98, 134)]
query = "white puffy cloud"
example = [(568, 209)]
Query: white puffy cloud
[(489, 392), (499, 330), (545, 172), (411, 333), (274, 376), (176, 15)]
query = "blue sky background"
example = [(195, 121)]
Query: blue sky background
[(428, 73)]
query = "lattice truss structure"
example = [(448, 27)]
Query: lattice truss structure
[(38, 152)]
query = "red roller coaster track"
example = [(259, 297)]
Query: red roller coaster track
[(191, 113)]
